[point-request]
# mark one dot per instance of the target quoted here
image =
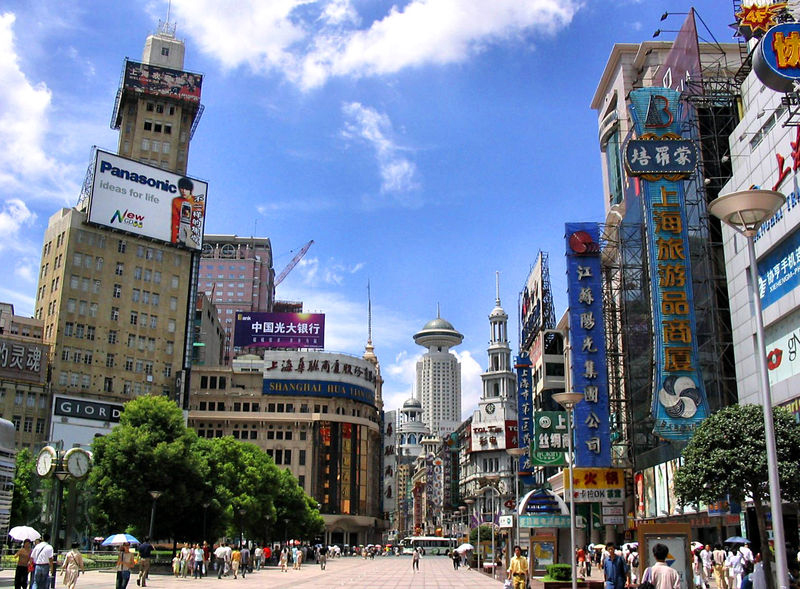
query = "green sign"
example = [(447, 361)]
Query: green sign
[(550, 439), (544, 521)]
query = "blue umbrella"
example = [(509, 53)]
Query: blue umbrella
[(737, 540), (119, 540)]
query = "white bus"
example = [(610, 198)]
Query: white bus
[(429, 544)]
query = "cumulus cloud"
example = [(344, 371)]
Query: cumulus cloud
[(398, 173), (14, 216), (310, 42)]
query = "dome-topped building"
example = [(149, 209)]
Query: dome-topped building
[(439, 376)]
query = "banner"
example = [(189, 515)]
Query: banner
[(279, 330), (550, 440)]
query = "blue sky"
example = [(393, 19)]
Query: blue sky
[(422, 144)]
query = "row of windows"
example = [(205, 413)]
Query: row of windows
[(30, 399), (271, 407), (27, 424), (84, 381)]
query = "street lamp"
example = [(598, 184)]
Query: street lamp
[(568, 401), (469, 503), (155, 495), (515, 454), (242, 511), (745, 212), (205, 509), (482, 491)]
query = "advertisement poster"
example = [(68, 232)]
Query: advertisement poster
[(156, 80), (147, 201), (279, 330)]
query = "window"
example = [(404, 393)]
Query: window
[(137, 273), (148, 125), (135, 295), (119, 269), (153, 321), (90, 332), (69, 327), (98, 264), (145, 145), (175, 281), (165, 51), (117, 292), (114, 313), (173, 303), (73, 282), (112, 336), (122, 246), (108, 385), (171, 326), (150, 107), (302, 458), (131, 340), (28, 427), (139, 251), (128, 363), (110, 360), (134, 317), (169, 347)]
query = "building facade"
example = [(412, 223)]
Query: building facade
[(315, 413), (236, 274)]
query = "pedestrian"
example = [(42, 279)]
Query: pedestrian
[(661, 574), (580, 555), (415, 560), (23, 556), (72, 567), (124, 565), (633, 565), (258, 555), (735, 569), (245, 566), (145, 554), (456, 559), (708, 567), (197, 556), (518, 569), (206, 558), (284, 558), (42, 559), (176, 565), (697, 570), (298, 559), (186, 556), (614, 568), (236, 561), (267, 554), (718, 563), (323, 557), (219, 560)]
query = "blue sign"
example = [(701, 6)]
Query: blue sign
[(524, 414), (779, 270), (318, 388), (587, 336), (544, 521), (776, 60), (660, 157), (679, 400)]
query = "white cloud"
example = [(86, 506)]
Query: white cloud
[(13, 216), (398, 174), (309, 42), (471, 383)]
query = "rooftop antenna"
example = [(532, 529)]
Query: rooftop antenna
[(369, 314), (164, 28), (497, 287), (438, 314)]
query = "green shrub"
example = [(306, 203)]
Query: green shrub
[(559, 572)]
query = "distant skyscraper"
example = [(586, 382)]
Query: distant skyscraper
[(439, 377), (236, 273)]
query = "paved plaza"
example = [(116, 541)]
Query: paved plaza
[(435, 572)]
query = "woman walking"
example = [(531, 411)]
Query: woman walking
[(124, 565), (72, 567)]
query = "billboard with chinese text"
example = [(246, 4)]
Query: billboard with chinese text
[(160, 81), (678, 401), (25, 361), (279, 330), (147, 201), (522, 365), (550, 439), (588, 341)]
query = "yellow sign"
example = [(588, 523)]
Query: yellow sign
[(757, 18), (597, 478)]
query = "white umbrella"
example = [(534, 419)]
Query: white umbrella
[(24, 533), (464, 547), (119, 539)]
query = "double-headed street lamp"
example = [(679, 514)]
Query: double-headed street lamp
[(499, 497), (745, 212), (568, 401)]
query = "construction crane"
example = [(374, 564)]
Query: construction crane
[(293, 263)]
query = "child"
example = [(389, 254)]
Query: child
[(176, 565)]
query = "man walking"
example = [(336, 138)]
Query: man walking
[(145, 553), (518, 569), (219, 559), (718, 558), (614, 568), (42, 559)]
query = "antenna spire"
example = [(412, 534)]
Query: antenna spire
[(369, 314), (497, 287)]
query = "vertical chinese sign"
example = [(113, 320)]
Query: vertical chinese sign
[(587, 338), (524, 411), (662, 159), (550, 441)]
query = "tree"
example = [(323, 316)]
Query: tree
[(727, 457), (150, 450), (24, 507)]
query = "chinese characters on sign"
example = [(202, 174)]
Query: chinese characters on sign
[(524, 409), (660, 157), (679, 400), (776, 60), (587, 334), (550, 441), (22, 360), (604, 485), (279, 330)]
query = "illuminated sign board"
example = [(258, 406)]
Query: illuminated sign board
[(160, 81), (660, 157), (679, 401), (279, 330), (92, 410), (524, 409), (550, 440), (776, 59), (146, 201), (588, 341)]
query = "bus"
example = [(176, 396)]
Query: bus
[(429, 544)]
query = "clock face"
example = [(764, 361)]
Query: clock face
[(490, 408), (45, 462), (78, 462)]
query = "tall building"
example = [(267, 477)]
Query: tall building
[(236, 273), (116, 304), (439, 377)]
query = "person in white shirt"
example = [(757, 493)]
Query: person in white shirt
[(42, 559), (661, 574)]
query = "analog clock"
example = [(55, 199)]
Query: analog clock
[(46, 461), (490, 408), (78, 462)]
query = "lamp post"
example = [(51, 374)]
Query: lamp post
[(205, 509), (483, 491), (568, 401), (155, 495), (242, 511), (515, 454), (745, 212), (462, 509), (469, 503)]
